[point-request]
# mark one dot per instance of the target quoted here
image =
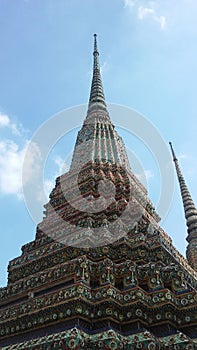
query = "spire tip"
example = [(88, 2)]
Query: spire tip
[(97, 98), (173, 153), (95, 44)]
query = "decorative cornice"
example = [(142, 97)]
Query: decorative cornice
[(75, 338)]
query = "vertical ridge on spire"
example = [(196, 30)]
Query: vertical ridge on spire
[(97, 98), (190, 214)]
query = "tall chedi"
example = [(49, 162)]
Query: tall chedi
[(100, 191), (101, 273), (190, 215)]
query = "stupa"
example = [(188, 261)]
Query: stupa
[(101, 272)]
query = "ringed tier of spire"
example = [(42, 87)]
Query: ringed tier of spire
[(97, 98), (190, 214), (97, 106)]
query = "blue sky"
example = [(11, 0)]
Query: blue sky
[(148, 56)]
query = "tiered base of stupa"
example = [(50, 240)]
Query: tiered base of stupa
[(136, 293)]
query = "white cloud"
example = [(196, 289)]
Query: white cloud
[(144, 12), (61, 167), (5, 122), (13, 149), (30, 166), (48, 186), (21, 164), (184, 156), (162, 21), (11, 167), (145, 176), (22, 171), (129, 3), (148, 174)]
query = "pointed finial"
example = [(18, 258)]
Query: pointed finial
[(173, 153), (95, 44), (190, 215), (97, 102)]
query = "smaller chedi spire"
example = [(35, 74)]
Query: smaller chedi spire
[(97, 102), (190, 215)]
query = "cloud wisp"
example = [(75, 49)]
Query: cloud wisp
[(145, 176), (61, 167), (129, 3), (145, 12), (11, 160), (5, 122), (13, 147)]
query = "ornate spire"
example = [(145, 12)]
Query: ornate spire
[(190, 215), (97, 99), (98, 141)]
